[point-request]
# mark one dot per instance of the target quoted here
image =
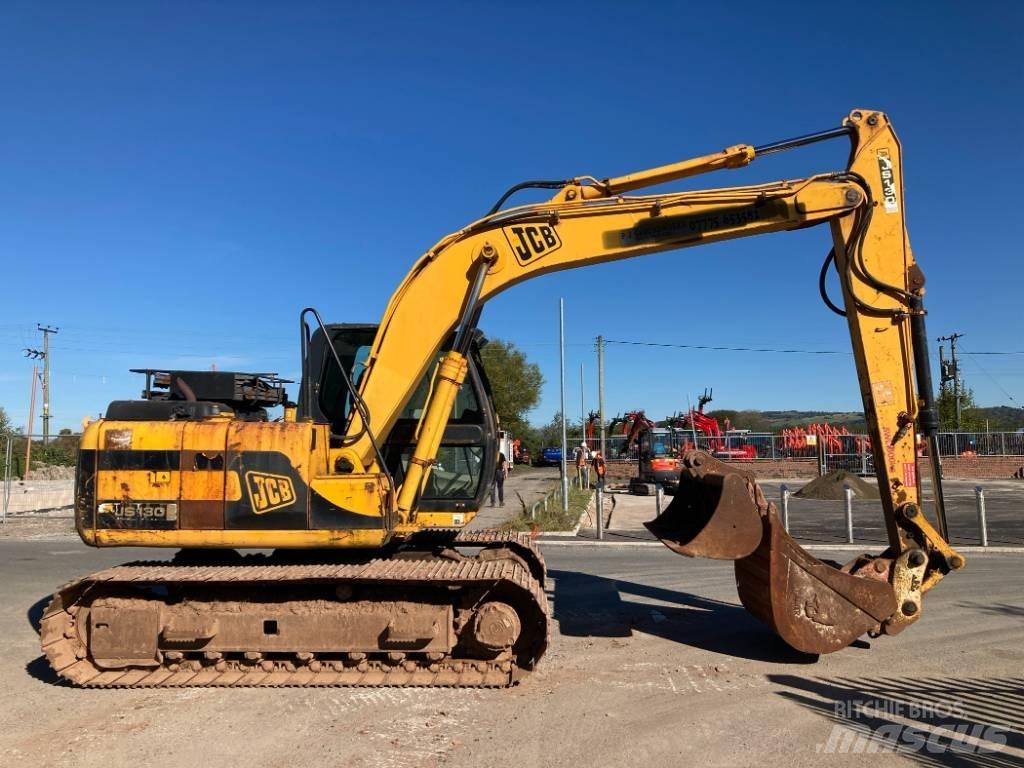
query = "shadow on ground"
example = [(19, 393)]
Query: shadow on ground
[(935, 722), (39, 668), (995, 609), (35, 612), (593, 606)]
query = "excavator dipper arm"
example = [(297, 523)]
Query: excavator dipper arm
[(719, 511)]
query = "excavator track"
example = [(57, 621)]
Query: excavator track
[(428, 619)]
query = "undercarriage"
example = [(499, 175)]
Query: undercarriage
[(431, 617)]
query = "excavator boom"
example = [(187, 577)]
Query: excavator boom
[(882, 298)]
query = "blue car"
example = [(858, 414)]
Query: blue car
[(551, 455)]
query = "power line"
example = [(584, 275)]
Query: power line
[(716, 348), (994, 380), (1007, 352)]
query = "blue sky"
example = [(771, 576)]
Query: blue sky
[(179, 180)]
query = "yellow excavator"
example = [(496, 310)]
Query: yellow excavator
[(363, 488)]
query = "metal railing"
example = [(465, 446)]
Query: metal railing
[(49, 480), (981, 443), (785, 499), (52, 458), (552, 497)]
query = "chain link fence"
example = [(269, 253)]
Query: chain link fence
[(7, 478), (981, 443), (847, 452), (746, 445), (50, 458), (37, 474)]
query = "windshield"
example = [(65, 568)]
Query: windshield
[(353, 348), (659, 444)]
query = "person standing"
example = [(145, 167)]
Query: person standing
[(580, 456), (599, 468), (500, 473)]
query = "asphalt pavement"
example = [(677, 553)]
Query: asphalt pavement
[(652, 662)]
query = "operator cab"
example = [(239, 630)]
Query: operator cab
[(658, 443), (462, 476)]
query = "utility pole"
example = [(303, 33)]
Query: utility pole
[(950, 371), (583, 410), (31, 418), (565, 447), (44, 355), (47, 330), (600, 388)]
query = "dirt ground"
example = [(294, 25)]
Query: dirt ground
[(652, 662)]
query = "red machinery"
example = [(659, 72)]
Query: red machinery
[(520, 453), (795, 440), (718, 443), (588, 430)]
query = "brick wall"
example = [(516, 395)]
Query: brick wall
[(806, 468), (983, 467)]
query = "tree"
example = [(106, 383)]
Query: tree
[(721, 414), (969, 421), (5, 423), (755, 421), (551, 433), (515, 383), (537, 439)]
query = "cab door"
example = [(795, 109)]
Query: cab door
[(464, 471)]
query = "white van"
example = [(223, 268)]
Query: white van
[(505, 446)]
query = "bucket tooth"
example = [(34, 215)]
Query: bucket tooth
[(720, 512)]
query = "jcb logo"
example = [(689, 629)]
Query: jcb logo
[(531, 241), (268, 492)]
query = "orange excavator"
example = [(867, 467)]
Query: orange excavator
[(657, 453)]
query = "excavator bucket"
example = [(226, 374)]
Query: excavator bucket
[(712, 514), (815, 607), (720, 512)]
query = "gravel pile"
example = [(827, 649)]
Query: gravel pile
[(830, 487)]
